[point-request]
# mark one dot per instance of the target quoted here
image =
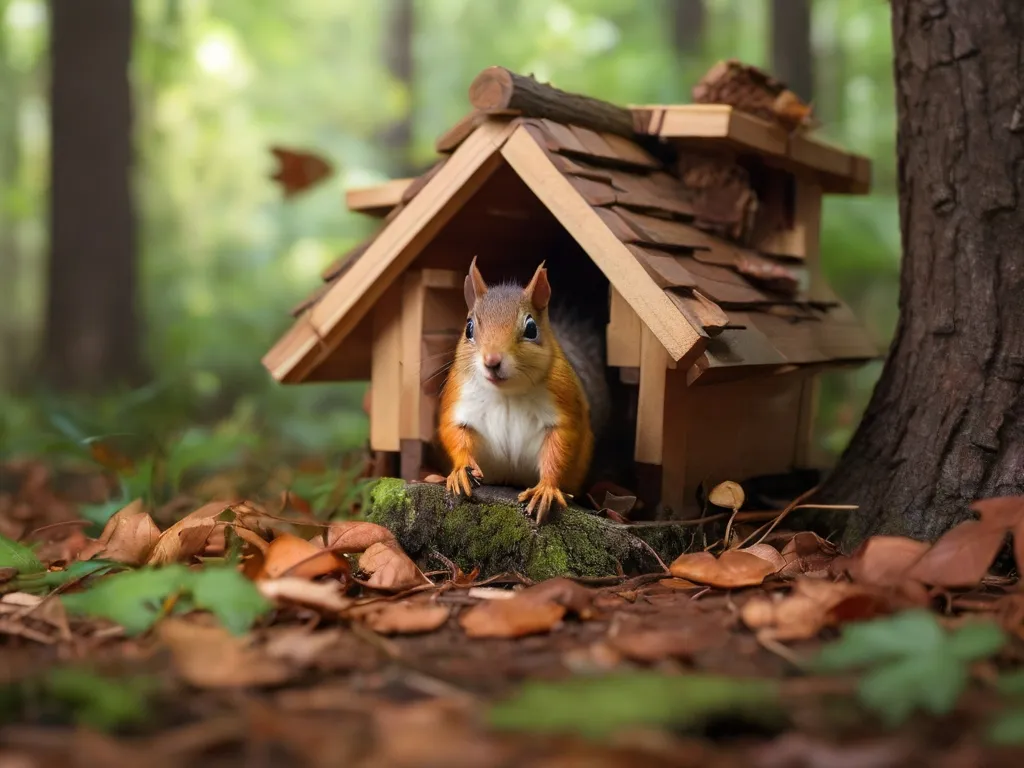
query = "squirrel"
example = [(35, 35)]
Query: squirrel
[(518, 407)]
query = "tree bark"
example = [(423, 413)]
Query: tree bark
[(687, 19), (792, 61), (945, 424), (10, 261), (497, 89), (92, 332), (398, 60)]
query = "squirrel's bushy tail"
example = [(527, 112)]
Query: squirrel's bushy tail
[(583, 343)]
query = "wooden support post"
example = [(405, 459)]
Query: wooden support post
[(623, 333), (386, 371), (650, 413), (411, 399), (674, 449)]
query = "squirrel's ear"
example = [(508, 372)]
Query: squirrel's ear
[(474, 287), (539, 289)]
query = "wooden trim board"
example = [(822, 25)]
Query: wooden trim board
[(413, 292), (386, 371), (623, 333), (612, 257), (355, 293), (377, 200), (650, 409)]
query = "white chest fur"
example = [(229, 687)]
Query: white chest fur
[(510, 428)]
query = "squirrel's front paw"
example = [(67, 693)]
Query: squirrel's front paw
[(459, 481), (540, 498)]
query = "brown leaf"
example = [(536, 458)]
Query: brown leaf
[(530, 611), (299, 170), (297, 645), (650, 645), (1005, 512), (511, 618), (406, 618), (211, 657), (323, 596), (728, 494), (766, 552), (961, 557), (187, 537), (812, 605), (128, 537), (791, 111), (289, 555), (390, 568), (354, 536), (883, 560), (809, 554), (733, 569)]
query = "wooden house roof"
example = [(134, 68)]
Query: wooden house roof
[(713, 304)]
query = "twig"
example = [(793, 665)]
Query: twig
[(781, 516), (650, 549)]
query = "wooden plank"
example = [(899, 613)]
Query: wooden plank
[(561, 138), (450, 140), (413, 291), (377, 200), (720, 121), (674, 450), (741, 429), (626, 275), (650, 409), (411, 459), (815, 153), (623, 333), (352, 360), (664, 233), (630, 152), (346, 260), (700, 310), (593, 143), (594, 192), (386, 371), (619, 228), (665, 269), (353, 295), (442, 278)]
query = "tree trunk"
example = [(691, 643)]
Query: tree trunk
[(687, 18), (10, 261), (945, 425), (92, 333), (398, 59), (792, 62)]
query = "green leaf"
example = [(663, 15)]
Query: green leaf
[(133, 599), (912, 662), (1008, 728), (597, 706), (229, 596), (977, 640), (18, 556), (871, 642), (98, 701), (1012, 683), (896, 689)]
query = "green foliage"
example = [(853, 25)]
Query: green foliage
[(18, 556), (80, 695), (1007, 728), (137, 599), (598, 706), (910, 661)]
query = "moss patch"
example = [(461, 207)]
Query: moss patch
[(491, 530)]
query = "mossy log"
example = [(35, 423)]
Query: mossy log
[(491, 530)]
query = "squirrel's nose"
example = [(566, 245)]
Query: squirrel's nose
[(492, 360)]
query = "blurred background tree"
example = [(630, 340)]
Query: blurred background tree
[(219, 256)]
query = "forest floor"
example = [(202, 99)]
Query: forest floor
[(254, 633)]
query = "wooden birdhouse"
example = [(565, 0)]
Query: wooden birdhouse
[(690, 230)]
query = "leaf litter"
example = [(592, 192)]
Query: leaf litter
[(308, 620)]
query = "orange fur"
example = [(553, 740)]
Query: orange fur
[(567, 448)]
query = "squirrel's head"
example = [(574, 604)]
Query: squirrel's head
[(507, 341)]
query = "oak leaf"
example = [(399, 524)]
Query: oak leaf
[(128, 537), (187, 538), (211, 657), (389, 568), (324, 596), (289, 555), (353, 536)]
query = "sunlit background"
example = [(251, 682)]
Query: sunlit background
[(368, 85)]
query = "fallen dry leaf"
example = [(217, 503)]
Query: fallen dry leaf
[(298, 645), (766, 552), (812, 605), (211, 657), (735, 568), (354, 536), (511, 618), (883, 560), (406, 618), (651, 645), (390, 568), (187, 537), (728, 494), (961, 557), (321, 595), (1006, 512), (289, 555), (128, 537), (535, 609), (808, 554), (25, 607)]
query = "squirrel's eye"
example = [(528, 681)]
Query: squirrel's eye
[(469, 328), (530, 332)]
